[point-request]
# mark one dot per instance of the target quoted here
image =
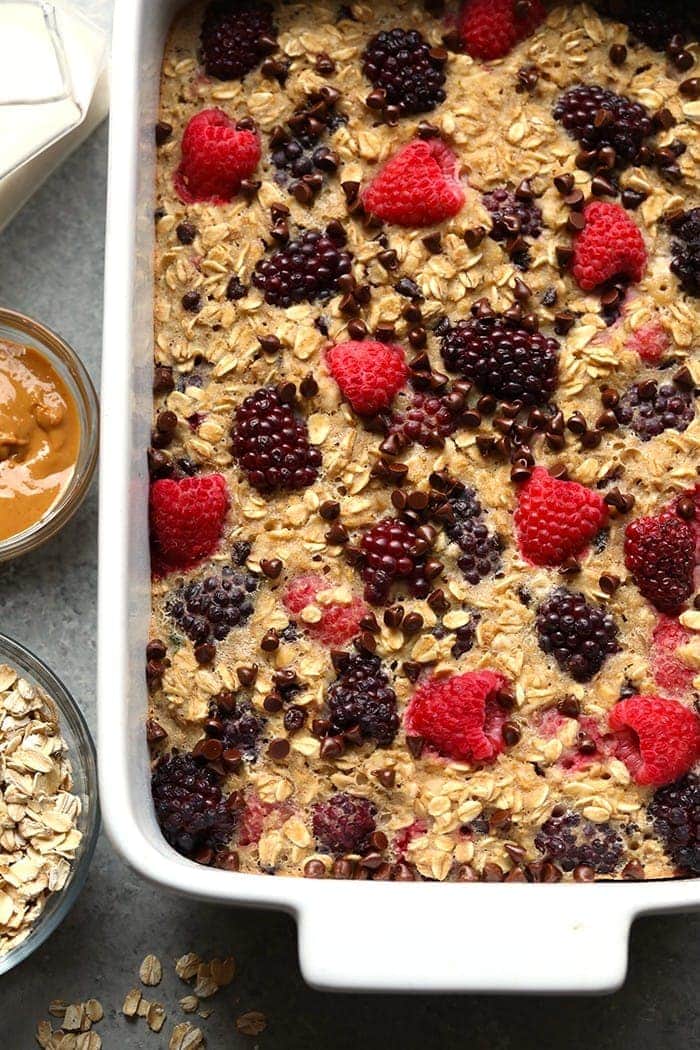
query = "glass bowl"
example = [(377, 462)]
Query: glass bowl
[(16, 328), (81, 751)]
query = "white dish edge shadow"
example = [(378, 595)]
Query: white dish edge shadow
[(419, 937)]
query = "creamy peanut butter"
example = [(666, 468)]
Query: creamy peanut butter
[(39, 437)]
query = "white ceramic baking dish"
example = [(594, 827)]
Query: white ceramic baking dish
[(368, 936)]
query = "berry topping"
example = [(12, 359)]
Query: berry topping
[(304, 270), (190, 808), (660, 554), (235, 724), (344, 823), (685, 263), (491, 28), (362, 696), (654, 24), (216, 157), (208, 609), (609, 246), (271, 444), (501, 357), (368, 373), (418, 186), (429, 420), (556, 520), (298, 151), (339, 621), (460, 716), (406, 69), (566, 840), (598, 118), (650, 409), (675, 815), (186, 520), (670, 672), (512, 217), (480, 549), (651, 342), (236, 35), (578, 635), (392, 550), (657, 739)]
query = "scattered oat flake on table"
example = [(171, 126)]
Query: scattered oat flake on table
[(189, 1003), (93, 1009), (151, 971), (155, 1018), (187, 965), (186, 1037), (223, 970), (252, 1023), (44, 1031), (205, 985), (131, 1003), (88, 1041)]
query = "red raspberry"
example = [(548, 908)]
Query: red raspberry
[(610, 245), (670, 673), (660, 554), (187, 520), (491, 28), (460, 716), (555, 520), (338, 623), (651, 341), (657, 739), (418, 186), (216, 157), (252, 818), (368, 373)]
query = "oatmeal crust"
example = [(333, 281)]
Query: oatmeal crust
[(219, 355)]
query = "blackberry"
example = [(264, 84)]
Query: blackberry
[(685, 251), (428, 420), (271, 444), (391, 550), (625, 129), (502, 358), (650, 409), (235, 724), (401, 63), (344, 823), (564, 839), (207, 610), (579, 636), (654, 24), (306, 269), (298, 152), (512, 217), (362, 696), (190, 807), (481, 549), (675, 813), (235, 37)]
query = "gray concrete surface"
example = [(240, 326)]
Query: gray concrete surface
[(51, 266)]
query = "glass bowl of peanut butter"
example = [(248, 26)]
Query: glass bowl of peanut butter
[(48, 433)]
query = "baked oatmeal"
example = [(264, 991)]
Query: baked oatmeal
[(424, 509)]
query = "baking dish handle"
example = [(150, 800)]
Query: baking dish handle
[(485, 938)]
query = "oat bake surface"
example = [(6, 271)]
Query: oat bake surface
[(440, 819)]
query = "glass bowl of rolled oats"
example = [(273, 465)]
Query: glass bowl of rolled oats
[(49, 810)]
